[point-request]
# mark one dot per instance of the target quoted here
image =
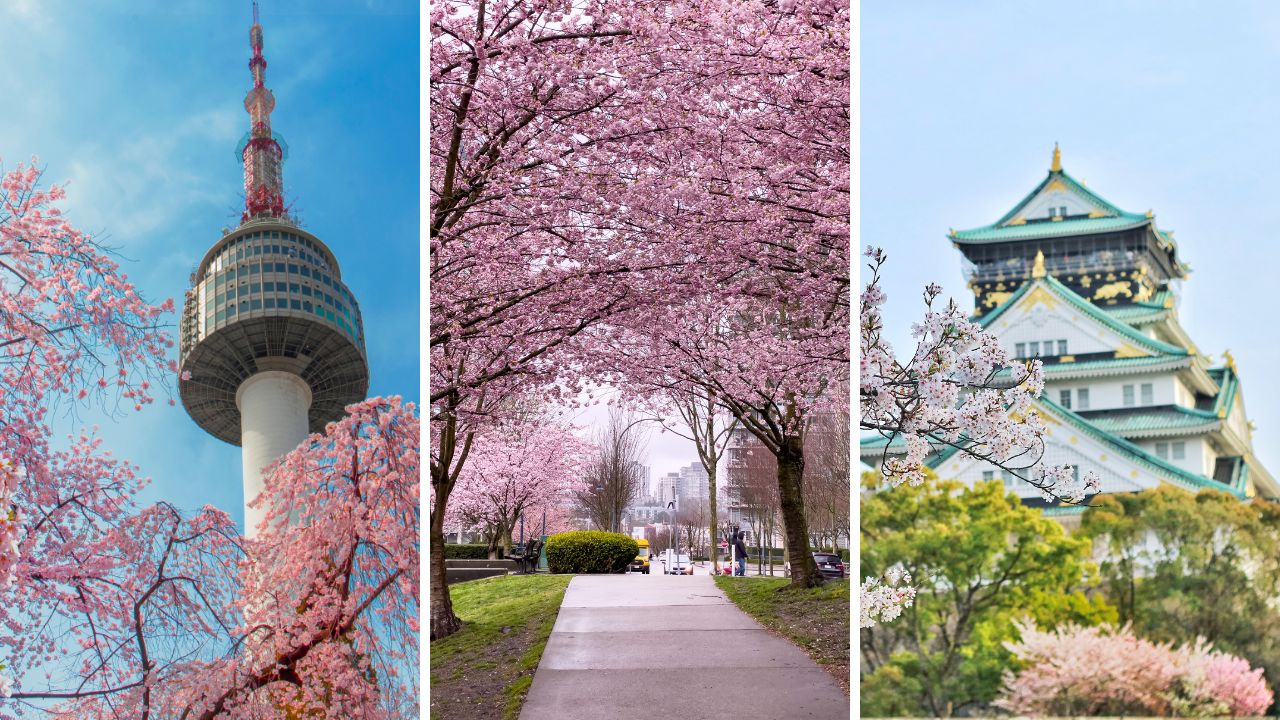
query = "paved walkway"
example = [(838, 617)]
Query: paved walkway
[(667, 647)]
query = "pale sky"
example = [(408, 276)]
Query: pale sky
[(1173, 107)]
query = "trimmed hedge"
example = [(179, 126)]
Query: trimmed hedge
[(474, 551), (590, 551)]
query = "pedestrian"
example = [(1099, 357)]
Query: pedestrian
[(740, 550)]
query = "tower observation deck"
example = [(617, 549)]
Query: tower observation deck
[(271, 337)]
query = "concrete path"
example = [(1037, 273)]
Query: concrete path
[(671, 647)]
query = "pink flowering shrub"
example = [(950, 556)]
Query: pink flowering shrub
[(1105, 671), (1230, 680)]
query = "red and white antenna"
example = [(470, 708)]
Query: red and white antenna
[(262, 152)]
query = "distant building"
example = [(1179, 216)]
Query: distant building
[(272, 341), (1093, 292)]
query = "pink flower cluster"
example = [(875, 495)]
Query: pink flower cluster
[(1104, 671)]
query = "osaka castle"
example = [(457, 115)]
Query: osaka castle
[(1093, 292)]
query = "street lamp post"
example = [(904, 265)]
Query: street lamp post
[(675, 535)]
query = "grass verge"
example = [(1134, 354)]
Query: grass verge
[(816, 619), (483, 671)]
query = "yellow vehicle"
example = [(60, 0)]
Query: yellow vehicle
[(641, 563)]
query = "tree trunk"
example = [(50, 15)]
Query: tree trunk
[(804, 573), (443, 622), (713, 533)]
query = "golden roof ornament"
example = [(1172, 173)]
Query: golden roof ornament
[(1037, 270), (1057, 159), (1231, 362)]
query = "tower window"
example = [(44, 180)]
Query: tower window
[(1162, 451), (1035, 349), (1064, 399), (988, 475), (1082, 398), (1128, 395), (1180, 451), (1148, 394), (1062, 347)]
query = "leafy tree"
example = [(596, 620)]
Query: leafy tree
[(1181, 565), (980, 559)]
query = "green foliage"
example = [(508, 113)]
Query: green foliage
[(1179, 565), (590, 551), (979, 560), (468, 552), (890, 691)]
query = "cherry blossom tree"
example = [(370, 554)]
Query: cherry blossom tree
[(523, 470), (329, 596), (164, 616), (73, 333)]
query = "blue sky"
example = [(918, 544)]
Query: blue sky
[(137, 106), (1173, 107)]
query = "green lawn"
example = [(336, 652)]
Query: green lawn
[(484, 670), (816, 619)]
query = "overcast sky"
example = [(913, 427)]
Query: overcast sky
[(1173, 107), (137, 106)]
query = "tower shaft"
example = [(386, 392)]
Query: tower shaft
[(273, 421)]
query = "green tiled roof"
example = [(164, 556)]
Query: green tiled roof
[(1114, 366), (875, 445), (1043, 229), (1150, 421), (1228, 386), (1135, 453), (1141, 312), (1088, 308), (1112, 218)]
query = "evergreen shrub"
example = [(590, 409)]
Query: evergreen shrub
[(590, 551), (473, 551)]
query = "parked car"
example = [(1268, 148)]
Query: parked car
[(829, 565), (674, 564)]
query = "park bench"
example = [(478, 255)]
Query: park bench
[(527, 555)]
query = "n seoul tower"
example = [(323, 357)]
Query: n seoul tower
[(270, 336)]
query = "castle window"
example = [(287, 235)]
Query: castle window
[(1128, 395), (988, 475), (1082, 399), (1180, 451), (1162, 451), (1035, 349), (1148, 394), (1064, 399), (1020, 350), (1062, 347)]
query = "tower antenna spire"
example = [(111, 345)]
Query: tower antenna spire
[(262, 152)]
